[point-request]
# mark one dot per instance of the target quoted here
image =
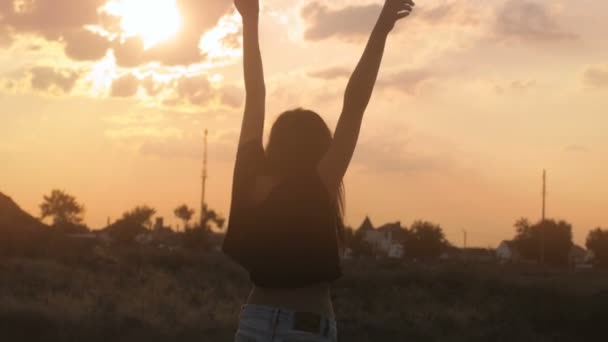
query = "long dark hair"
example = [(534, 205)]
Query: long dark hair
[(299, 138)]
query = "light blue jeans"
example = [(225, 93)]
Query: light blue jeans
[(259, 323)]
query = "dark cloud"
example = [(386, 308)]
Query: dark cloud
[(51, 79), (195, 90), (49, 19), (353, 23), (331, 73), (349, 23), (198, 91), (84, 45), (596, 77), (60, 21), (125, 86), (64, 21), (197, 18), (527, 20)]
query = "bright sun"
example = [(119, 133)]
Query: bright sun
[(154, 21)]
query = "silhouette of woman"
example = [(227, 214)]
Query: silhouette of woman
[(287, 200)]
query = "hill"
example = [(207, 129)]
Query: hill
[(20, 232)]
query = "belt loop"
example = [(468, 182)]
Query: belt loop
[(275, 322)]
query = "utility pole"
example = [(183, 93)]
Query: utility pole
[(542, 223), (203, 205), (464, 244), (544, 193)]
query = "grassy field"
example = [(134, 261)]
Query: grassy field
[(186, 297)]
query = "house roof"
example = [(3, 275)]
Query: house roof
[(508, 243), (366, 225), (395, 228)]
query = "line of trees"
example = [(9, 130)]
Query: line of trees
[(67, 215), (549, 241)]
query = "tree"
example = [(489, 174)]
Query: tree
[(552, 237), (125, 230), (184, 213), (597, 242), (200, 237), (62, 207), (212, 219), (424, 240), (140, 216)]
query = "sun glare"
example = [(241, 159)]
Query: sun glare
[(154, 21)]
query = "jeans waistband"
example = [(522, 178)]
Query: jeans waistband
[(280, 316)]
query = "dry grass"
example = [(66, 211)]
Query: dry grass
[(186, 297)]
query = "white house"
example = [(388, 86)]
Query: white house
[(507, 253), (385, 239)]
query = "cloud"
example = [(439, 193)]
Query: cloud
[(407, 80), (596, 77), (49, 19), (353, 23), (516, 86), (527, 20), (348, 23), (138, 132), (232, 96), (330, 73), (50, 79), (198, 17), (125, 86), (84, 45), (68, 22), (195, 90), (191, 147), (198, 91), (390, 154), (448, 13), (173, 148), (575, 148)]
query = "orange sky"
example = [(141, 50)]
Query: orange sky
[(108, 100)]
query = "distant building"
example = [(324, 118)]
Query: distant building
[(507, 252), (385, 240), (579, 258)]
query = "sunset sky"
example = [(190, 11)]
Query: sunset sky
[(109, 99)]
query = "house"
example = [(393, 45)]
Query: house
[(579, 258), (507, 252), (385, 240)]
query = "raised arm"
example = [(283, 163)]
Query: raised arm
[(333, 165), (252, 128)]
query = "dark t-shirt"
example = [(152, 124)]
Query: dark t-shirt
[(288, 240)]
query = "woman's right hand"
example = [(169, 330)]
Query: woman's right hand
[(393, 11), (248, 8)]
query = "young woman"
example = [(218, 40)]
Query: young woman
[(287, 200)]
